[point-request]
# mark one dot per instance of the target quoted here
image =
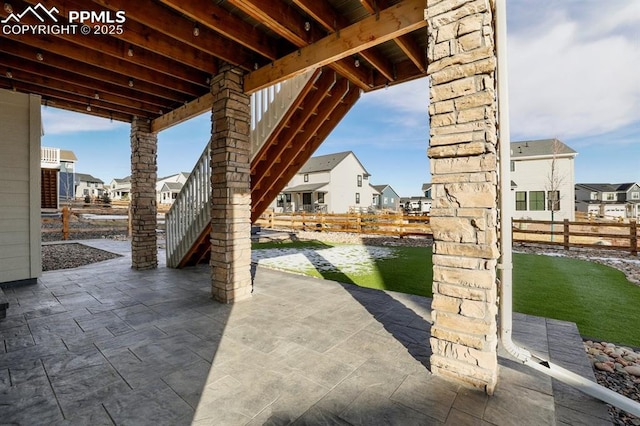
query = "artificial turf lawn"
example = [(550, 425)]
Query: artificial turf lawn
[(598, 298)]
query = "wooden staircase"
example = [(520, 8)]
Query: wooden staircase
[(315, 112)]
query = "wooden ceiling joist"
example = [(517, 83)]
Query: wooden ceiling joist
[(150, 93), (180, 28), (392, 22), (183, 113), (219, 20), (160, 65)]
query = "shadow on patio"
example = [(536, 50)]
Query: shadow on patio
[(104, 344)]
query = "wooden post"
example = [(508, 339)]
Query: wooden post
[(65, 223), (271, 217), (633, 231), (359, 222), (322, 222), (566, 234), (303, 215)]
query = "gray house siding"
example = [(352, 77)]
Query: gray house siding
[(20, 257)]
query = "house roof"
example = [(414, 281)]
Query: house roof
[(126, 179), (185, 174), (67, 155), (307, 187), (172, 186), (325, 163), (541, 148), (606, 187), (83, 177), (425, 186), (381, 188)]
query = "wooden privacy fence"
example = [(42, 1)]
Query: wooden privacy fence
[(613, 236), (385, 224)]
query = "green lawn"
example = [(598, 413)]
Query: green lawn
[(599, 299)]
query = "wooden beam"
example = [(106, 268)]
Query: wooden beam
[(77, 87), (417, 55), (95, 57), (392, 22), (142, 90), (280, 18), (175, 25), (185, 112), (219, 20), (107, 45), (369, 5), (332, 21), (79, 97)]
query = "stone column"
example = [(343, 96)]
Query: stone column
[(462, 152), (230, 187), (144, 170)]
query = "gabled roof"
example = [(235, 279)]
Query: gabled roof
[(172, 186), (126, 179), (426, 186), (606, 187), (541, 148), (185, 174), (83, 177), (381, 188), (325, 163)]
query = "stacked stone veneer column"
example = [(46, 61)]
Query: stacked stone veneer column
[(462, 152), (230, 186), (144, 170)]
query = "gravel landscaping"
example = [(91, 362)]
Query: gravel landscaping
[(71, 255)]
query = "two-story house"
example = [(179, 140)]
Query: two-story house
[(119, 189), (332, 183), (385, 198), (57, 176), (609, 201), (168, 188), (543, 180), (88, 185)]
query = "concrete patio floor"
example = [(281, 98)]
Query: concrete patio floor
[(104, 344)]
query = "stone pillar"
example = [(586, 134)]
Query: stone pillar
[(144, 170), (230, 188), (462, 152)]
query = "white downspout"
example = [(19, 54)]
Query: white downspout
[(505, 266)]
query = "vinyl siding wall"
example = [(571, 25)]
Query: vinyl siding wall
[(20, 256)]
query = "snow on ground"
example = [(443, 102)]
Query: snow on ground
[(349, 259)]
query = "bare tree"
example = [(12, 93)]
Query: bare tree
[(554, 181)]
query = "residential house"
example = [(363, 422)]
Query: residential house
[(609, 201), (426, 190), (418, 204), (385, 198), (543, 180), (119, 189), (88, 185), (333, 183), (57, 176), (168, 188)]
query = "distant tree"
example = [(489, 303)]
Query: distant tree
[(554, 181), (105, 198)]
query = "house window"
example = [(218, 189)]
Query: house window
[(513, 166), (306, 177), (635, 195), (553, 202), (521, 200), (536, 200), (594, 195), (392, 200), (357, 198), (610, 196), (359, 180), (320, 197), (385, 202)]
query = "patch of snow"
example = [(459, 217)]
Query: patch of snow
[(349, 259)]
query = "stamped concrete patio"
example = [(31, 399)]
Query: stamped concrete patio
[(105, 344)]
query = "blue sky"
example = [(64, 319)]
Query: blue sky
[(573, 74)]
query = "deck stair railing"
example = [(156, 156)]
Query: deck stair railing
[(191, 211)]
